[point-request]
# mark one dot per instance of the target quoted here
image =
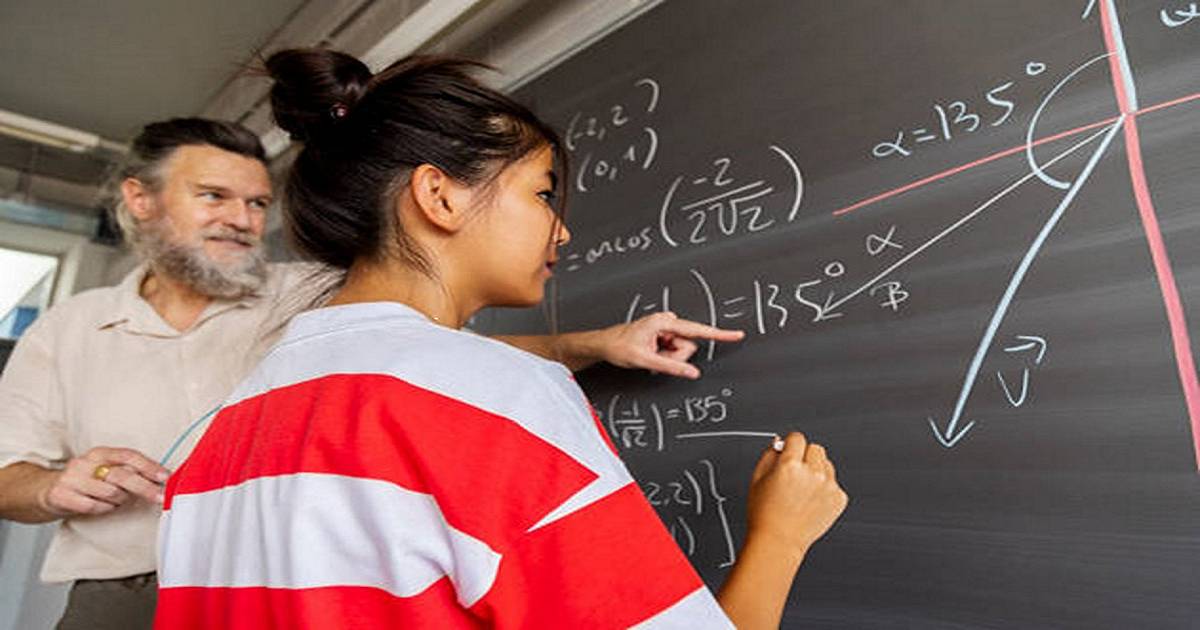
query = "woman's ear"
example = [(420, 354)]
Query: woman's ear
[(138, 198), (443, 201)]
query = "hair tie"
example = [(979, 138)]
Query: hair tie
[(338, 111)]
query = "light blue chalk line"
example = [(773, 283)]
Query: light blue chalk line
[(1122, 56), (1013, 285)]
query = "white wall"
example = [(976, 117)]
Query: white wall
[(82, 264)]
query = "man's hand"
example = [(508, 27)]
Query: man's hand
[(661, 342), (100, 481)]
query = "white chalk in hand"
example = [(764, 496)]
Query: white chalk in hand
[(778, 444)]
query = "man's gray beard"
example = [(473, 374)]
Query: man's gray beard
[(191, 265)]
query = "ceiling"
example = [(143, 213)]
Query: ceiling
[(107, 68)]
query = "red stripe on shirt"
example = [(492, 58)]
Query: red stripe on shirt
[(379, 427), (588, 568), (603, 431), (258, 608)]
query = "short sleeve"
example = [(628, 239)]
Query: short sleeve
[(31, 424), (602, 559), (302, 286), (611, 564)]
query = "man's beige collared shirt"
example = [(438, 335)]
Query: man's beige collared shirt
[(104, 369)]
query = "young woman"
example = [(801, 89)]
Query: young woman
[(383, 468)]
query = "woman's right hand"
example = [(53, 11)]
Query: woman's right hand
[(794, 496), (794, 499)]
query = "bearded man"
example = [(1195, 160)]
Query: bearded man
[(110, 388)]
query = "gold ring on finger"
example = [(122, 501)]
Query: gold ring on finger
[(101, 472)]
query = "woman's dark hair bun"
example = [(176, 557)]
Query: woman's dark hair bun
[(314, 90), (363, 136)]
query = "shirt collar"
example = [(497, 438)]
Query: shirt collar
[(328, 318), (133, 312)]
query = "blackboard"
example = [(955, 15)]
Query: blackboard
[(938, 222)]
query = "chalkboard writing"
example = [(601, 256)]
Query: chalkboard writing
[(962, 239)]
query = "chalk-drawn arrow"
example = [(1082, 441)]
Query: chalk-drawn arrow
[(1019, 400), (826, 311), (821, 311), (959, 223), (950, 436), (1034, 342)]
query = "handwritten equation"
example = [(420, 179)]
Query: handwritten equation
[(730, 195), (718, 203), (635, 424), (693, 509), (638, 241), (957, 118), (618, 140), (766, 304), (704, 206)]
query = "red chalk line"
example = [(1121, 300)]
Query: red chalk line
[(1176, 317), (1175, 312), (1005, 153), (1180, 338)]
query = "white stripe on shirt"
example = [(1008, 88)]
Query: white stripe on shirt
[(387, 537), (698, 609)]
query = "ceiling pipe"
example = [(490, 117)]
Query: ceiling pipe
[(54, 135), (415, 31)]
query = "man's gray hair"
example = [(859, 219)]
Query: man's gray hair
[(156, 144)]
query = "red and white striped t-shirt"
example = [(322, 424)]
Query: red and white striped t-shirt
[(377, 470)]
